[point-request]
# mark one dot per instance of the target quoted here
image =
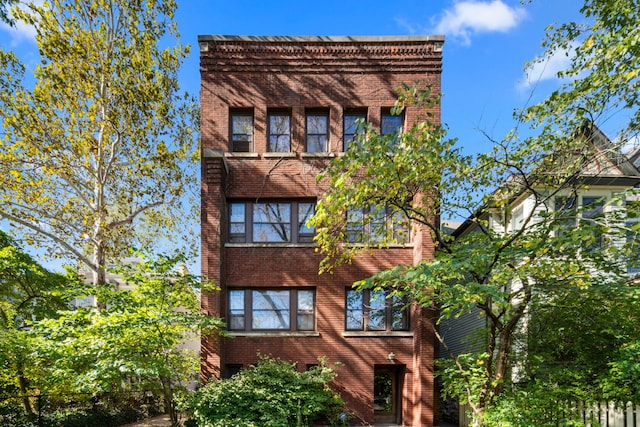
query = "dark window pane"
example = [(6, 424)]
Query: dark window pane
[(272, 222), (377, 310), (305, 211), (317, 133), (399, 316), (242, 132), (354, 310), (236, 310), (354, 231), (390, 124), (353, 126), (237, 226), (279, 133), (305, 310), (270, 309)]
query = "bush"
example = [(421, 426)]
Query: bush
[(271, 393)]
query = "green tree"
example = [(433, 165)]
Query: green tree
[(28, 293), (602, 82), (497, 271), (5, 5), (271, 393), (135, 342), (100, 153)]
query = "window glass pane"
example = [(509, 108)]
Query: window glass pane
[(400, 227), (317, 133), (272, 222), (354, 230), (377, 224), (399, 317), (241, 132), (352, 127), (236, 309), (236, 218), (279, 133), (390, 124), (270, 309), (354, 310), (305, 310), (377, 310), (305, 211)]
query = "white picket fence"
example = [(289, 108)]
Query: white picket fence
[(602, 414)]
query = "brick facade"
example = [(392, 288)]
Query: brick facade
[(300, 73)]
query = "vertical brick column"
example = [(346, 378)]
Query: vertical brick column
[(213, 208)]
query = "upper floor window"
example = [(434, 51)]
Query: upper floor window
[(371, 310), (279, 131), (317, 131), (270, 222), (353, 125), (241, 131), (271, 309), (376, 224), (391, 124)]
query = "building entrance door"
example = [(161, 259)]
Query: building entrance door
[(386, 394)]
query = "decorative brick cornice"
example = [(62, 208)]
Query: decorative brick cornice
[(304, 54)]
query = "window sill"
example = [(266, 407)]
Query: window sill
[(316, 155), (377, 334), (274, 334), (238, 155), (270, 245), (278, 155)]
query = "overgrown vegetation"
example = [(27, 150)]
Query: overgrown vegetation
[(271, 393)]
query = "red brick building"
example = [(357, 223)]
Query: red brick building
[(275, 110)]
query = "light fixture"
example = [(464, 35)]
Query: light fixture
[(391, 356)]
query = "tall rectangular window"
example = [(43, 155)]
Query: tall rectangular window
[(271, 309), (353, 125), (271, 222), (375, 310), (317, 131), (241, 131), (391, 125), (279, 131)]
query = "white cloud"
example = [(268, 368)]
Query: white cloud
[(471, 16), (547, 68), (21, 32)]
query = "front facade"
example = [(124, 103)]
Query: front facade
[(275, 111)]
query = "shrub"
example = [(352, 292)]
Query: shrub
[(271, 393)]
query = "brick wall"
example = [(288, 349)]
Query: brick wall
[(300, 73)]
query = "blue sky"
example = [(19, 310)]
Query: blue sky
[(487, 44)]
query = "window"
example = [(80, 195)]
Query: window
[(241, 131), (517, 218), (391, 125), (370, 310), (271, 310), (270, 222), (376, 224), (593, 212), (353, 125), (317, 128), (279, 131), (232, 369)]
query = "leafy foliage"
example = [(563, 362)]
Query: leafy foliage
[(134, 343), (28, 293), (502, 271), (98, 156), (271, 393)]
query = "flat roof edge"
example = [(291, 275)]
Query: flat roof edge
[(321, 39)]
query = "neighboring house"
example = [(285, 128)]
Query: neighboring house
[(275, 111), (605, 175)]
